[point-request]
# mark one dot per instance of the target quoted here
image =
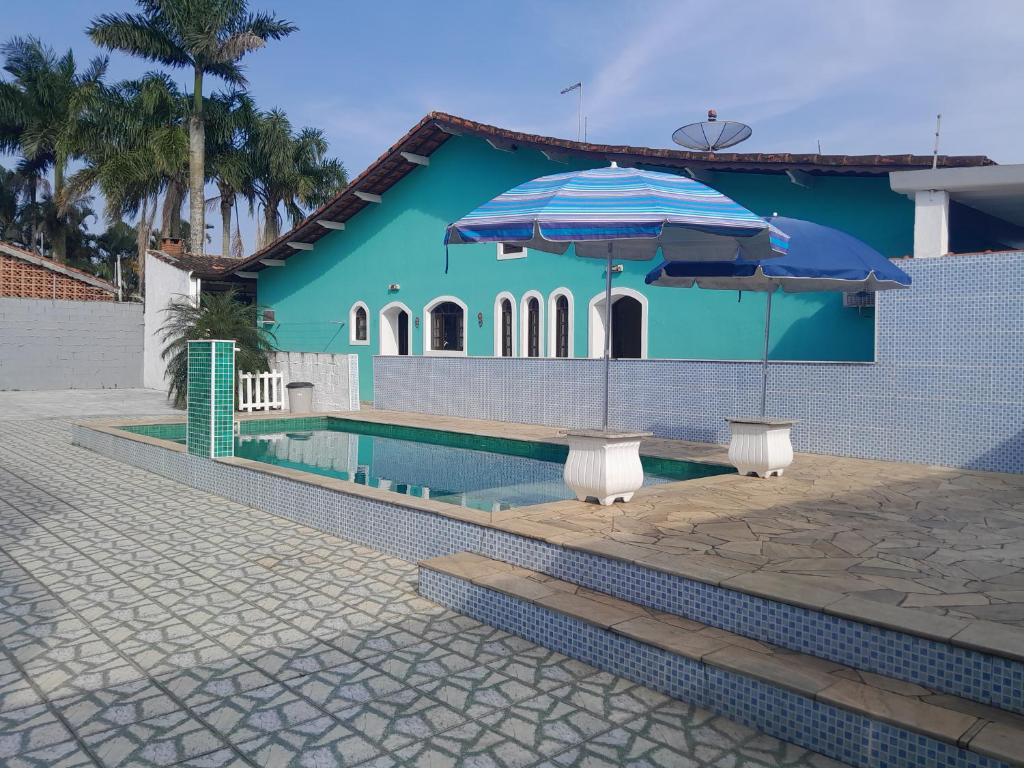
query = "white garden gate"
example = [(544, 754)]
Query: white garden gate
[(261, 391)]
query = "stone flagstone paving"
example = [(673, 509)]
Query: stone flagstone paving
[(147, 623)]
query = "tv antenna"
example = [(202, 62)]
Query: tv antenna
[(581, 134), (712, 134)]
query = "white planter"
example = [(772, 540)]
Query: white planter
[(604, 465), (760, 446)]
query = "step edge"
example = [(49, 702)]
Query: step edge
[(973, 635), (971, 722)]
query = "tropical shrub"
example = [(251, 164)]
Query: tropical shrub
[(216, 316)]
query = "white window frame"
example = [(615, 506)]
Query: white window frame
[(352, 325), (497, 323), (502, 256), (385, 323), (553, 324), (595, 315), (428, 328), (524, 324)]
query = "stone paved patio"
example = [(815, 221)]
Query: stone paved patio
[(938, 541), (146, 623)]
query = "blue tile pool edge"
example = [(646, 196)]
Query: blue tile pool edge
[(421, 534)]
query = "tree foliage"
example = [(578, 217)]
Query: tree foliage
[(216, 316), (140, 143), (207, 36)]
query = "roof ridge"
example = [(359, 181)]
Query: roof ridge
[(436, 127)]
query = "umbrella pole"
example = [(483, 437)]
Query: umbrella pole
[(764, 359), (607, 330)]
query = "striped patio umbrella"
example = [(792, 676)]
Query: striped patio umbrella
[(638, 211), (621, 213)]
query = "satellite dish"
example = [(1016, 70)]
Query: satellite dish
[(712, 134)]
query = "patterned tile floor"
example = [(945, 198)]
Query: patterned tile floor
[(146, 623)]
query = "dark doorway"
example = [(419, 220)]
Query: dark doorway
[(627, 327), (403, 332)]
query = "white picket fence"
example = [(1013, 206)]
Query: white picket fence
[(261, 391)]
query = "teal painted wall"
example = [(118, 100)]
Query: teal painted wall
[(401, 241)]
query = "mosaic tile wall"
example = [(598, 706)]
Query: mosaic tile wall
[(211, 398), (335, 378), (416, 535), (830, 730), (947, 387)]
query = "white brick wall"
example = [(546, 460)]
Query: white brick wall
[(335, 378), (70, 344)]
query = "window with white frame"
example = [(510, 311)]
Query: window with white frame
[(560, 323), (445, 327), (531, 324), (511, 251), (504, 325), (359, 324)]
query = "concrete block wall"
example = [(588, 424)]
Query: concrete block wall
[(48, 344), (947, 386), (335, 378)]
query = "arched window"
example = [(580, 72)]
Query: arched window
[(506, 328), (531, 324), (533, 327), (561, 327), (358, 324), (447, 327), (560, 323), (504, 325)]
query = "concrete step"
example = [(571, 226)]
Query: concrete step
[(852, 715)]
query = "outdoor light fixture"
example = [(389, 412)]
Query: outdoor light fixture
[(480, 319), (616, 268), (393, 287), (417, 322)]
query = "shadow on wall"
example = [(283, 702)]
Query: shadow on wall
[(1008, 451), (819, 325)]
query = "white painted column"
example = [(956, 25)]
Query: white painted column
[(931, 223)]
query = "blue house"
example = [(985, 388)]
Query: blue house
[(368, 273)]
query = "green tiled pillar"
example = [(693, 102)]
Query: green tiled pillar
[(211, 398)]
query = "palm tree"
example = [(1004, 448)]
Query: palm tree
[(39, 108), (230, 119), (289, 169), (211, 37), (215, 316), (135, 145)]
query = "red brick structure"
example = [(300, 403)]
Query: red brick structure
[(28, 275)]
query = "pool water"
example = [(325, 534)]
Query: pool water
[(484, 473)]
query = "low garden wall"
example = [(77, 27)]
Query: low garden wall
[(947, 386), (46, 344), (335, 378)]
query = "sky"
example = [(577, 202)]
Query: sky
[(861, 77)]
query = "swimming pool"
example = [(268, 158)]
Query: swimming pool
[(479, 472)]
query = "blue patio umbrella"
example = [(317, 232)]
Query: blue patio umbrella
[(819, 259), (623, 213)]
